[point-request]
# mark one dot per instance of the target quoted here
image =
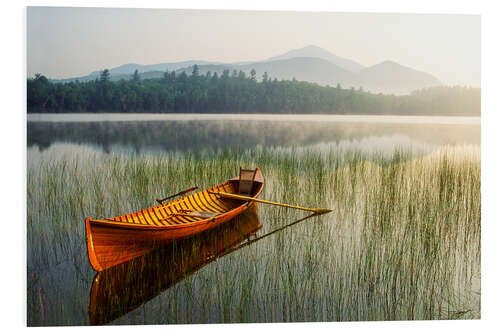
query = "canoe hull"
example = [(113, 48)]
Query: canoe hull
[(113, 241), (124, 287), (111, 245)]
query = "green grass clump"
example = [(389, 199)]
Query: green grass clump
[(403, 242)]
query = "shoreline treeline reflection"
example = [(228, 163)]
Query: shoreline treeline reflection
[(233, 134)]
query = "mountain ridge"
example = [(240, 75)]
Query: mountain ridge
[(310, 63), (313, 51)]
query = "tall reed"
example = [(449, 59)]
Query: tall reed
[(403, 242)]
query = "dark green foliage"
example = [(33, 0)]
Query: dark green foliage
[(238, 93), (136, 76)]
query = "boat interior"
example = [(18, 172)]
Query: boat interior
[(196, 206)]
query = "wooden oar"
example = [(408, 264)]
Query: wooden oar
[(160, 201), (242, 197)]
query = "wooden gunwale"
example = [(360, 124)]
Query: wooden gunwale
[(158, 230), (128, 225)]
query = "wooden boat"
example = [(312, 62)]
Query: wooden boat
[(124, 287), (118, 239)]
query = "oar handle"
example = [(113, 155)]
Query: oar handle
[(242, 197), (160, 201)]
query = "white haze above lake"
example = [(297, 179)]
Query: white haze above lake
[(92, 117)]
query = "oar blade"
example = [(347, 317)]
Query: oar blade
[(320, 211)]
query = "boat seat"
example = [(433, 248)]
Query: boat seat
[(246, 180)]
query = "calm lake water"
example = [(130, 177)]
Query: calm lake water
[(333, 267), (196, 132)]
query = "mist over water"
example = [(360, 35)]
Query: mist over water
[(181, 133), (92, 117)]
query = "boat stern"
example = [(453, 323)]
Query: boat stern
[(90, 246)]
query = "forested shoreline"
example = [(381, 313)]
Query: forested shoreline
[(238, 92)]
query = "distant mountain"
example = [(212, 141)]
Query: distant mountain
[(311, 63), (170, 66), (126, 71), (391, 77), (386, 77), (302, 69), (312, 51)]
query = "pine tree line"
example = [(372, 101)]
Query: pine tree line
[(237, 92)]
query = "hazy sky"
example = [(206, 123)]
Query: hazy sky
[(69, 42)]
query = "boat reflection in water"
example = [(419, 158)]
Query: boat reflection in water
[(122, 288)]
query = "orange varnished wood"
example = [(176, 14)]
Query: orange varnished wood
[(119, 239), (124, 287)]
